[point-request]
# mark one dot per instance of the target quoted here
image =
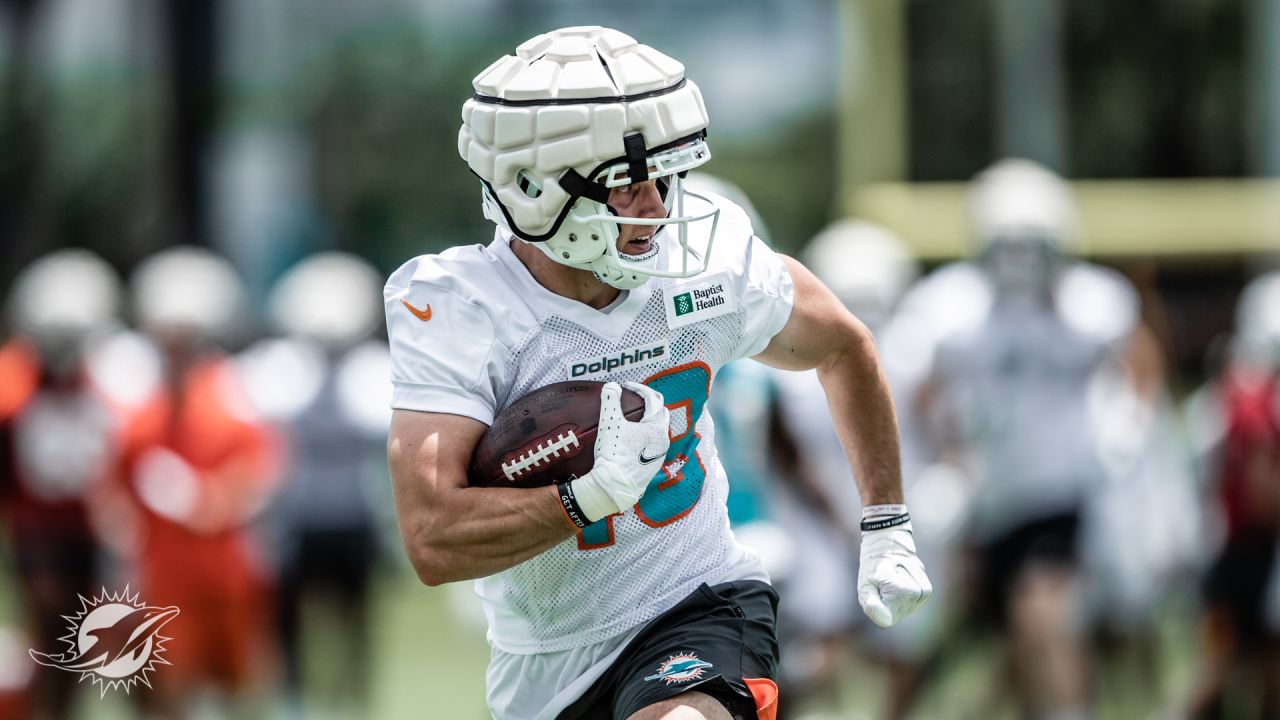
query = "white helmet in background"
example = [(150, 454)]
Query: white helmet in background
[(700, 183), (331, 298), (1258, 321), (866, 266), (65, 292), (574, 113), (1025, 222), (62, 302), (187, 291)]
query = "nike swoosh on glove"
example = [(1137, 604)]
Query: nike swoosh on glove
[(892, 583), (628, 454)]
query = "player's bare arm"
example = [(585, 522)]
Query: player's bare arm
[(822, 334), (451, 531)]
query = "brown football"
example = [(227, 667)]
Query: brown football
[(545, 437)]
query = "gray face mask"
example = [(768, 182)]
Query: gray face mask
[(1022, 265), (62, 352)]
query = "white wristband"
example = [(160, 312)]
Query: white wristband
[(883, 510)]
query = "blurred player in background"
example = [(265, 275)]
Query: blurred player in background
[(1007, 402), (199, 466), (60, 441), (740, 403), (871, 271), (622, 592), (324, 383), (867, 269), (1238, 641), (1135, 562), (749, 440)]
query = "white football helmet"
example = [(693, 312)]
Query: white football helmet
[(187, 291), (866, 266), (1258, 321), (573, 114), (331, 298), (1025, 222), (63, 302), (65, 292), (701, 183)]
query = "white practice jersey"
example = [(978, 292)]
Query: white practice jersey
[(494, 334), (1015, 377)]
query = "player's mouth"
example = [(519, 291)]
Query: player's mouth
[(638, 245)]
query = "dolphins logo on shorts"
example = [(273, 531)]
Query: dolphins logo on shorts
[(680, 668), (114, 641)]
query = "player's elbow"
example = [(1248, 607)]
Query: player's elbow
[(427, 551), (430, 574), (431, 566), (851, 344)]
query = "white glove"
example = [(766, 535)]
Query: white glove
[(891, 580), (628, 454)]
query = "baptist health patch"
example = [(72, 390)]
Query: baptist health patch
[(707, 298)]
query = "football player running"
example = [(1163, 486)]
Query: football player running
[(623, 592), (1019, 333)]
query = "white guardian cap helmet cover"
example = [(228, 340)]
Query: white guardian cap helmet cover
[(574, 113)]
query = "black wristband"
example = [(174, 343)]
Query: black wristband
[(883, 523), (569, 504)]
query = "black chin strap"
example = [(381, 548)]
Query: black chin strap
[(637, 158), (577, 186)]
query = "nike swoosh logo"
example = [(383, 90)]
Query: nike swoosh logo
[(645, 461), (423, 315)]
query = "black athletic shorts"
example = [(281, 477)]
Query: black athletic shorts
[(1237, 582), (711, 641), (1047, 541)]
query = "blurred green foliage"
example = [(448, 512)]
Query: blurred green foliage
[(377, 106), (1157, 89), (382, 112), (1152, 88)]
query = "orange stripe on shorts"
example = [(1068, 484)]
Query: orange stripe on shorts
[(765, 692)]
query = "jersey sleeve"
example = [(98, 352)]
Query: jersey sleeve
[(1099, 303), (445, 354), (767, 297)]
